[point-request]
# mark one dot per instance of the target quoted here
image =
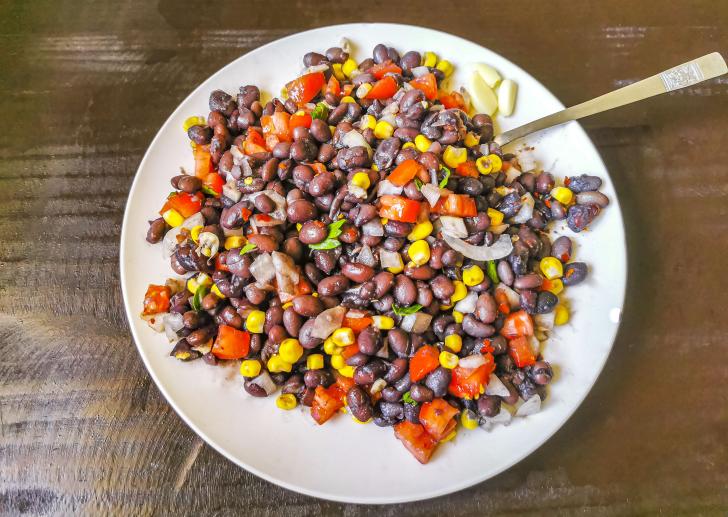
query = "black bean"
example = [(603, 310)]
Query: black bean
[(398, 342), (410, 60), (557, 210), (266, 243), (505, 273), (222, 102), (405, 292), (574, 273), (307, 305), (359, 403), (580, 216), (305, 338), (157, 229), (442, 287), (313, 232), (489, 406), (546, 302), (397, 370), (313, 378), (337, 55), (369, 341), (583, 183), (486, 310), (528, 281), (420, 393), (386, 152), (352, 158), (357, 272), (392, 410), (301, 211), (499, 345), (313, 59), (254, 389), (303, 150), (294, 385), (528, 300), (200, 135), (541, 373), (561, 248), (412, 413), (475, 328), (592, 198), (438, 381), (248, 95)]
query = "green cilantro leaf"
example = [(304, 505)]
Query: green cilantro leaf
[(418, 183), (407, 398), (248, 248), (209, 191), (492, 271), (327, 244), (404, 311), (196, 302), (320, 111)]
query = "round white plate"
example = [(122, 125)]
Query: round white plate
[(344, 461)]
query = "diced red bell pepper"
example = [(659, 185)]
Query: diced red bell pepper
[(326, 402), (467, 168), (383, 88), (231, 343), (379, 70), (343, 384), (520, 351), (277, 124), (436, 417), (186, 204), (214, 183), (399, 208), (219, 265), (306, 87), (404, 172), (156, 299), (517, 324), (504, 305), (467, 382), (452, 100), (333, 87), (416, 439), (349, 351), (303, 120), (427, 83), (347, 89), (357, 324), (458, 205), (254, 143), (426, 359), (203, 161), (303, 286)]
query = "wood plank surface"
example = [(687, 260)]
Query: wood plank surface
[(85, 85)]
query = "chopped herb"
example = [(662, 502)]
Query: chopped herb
[(320, 111), (335, 228), (407, 398), (404, 311), (209, 191), (443, 183), (331, 240), (418, 183), (248, 248), (492, 271), (196, 302), (173, 193)]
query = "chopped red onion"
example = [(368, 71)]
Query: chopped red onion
[(373, 228), (454, 226), (417, 323), (496, 387), (264, 381), (230, 191), (526, 211), (366, 257), (263, 269), (431, 192), (355, 139), (287, 275), (389, 259), (467, 304), (328, 321), (512, 296), (420, 71), (387, 188), (498, 250), (530, 407)]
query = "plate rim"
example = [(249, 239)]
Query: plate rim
[(452, 488)]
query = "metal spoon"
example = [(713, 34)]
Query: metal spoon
[(682, 76)]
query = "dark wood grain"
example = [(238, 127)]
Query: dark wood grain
[(85, 85)]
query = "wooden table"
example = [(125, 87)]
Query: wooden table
[(84, 87)]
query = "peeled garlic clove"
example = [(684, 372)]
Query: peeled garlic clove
[(489, 74), (482, 96), (507, 97)]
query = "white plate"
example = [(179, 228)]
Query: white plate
[(341, 460)]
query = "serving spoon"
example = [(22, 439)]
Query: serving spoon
[(681, 76)]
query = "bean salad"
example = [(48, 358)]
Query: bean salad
[(361, 245)]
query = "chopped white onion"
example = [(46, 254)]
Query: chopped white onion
[(512, 174), (345, 45), (527, 160), (156, 321), (230, 191), (279, 214), (420, 71), (378, 386), (431, 192), (173, 321), (390, 109), (227, 232), (503, 418), (496, 387), (328, 321), (355, 139), (535, 344), (357, 191), (467, 304), (498, 250), (498, 229), (264, 381), (544, 321), (454, 226), (417, 323), (287, 275), (384, 351), (387, 188), (389, 119), (177, 284), (531, 406), (389, 259), (373, 228), (169, 244), (263, 269), (366, 257), (315, 68), (472, 361), (526, 211), (511, 295), (238, 156)]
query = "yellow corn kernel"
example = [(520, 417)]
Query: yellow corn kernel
[(561, 315), (193, 145), (551, 267), (454, 156), (469, 419), (383, 220), (173, 218), (338, 72), (287, 401), (195, 232), (383, 322), (216, 291), (408, 145), (337, 362), (503, 191), (276, 364), (484, 165), (363, 90), (367, 122), (458, 316), (473, 275), (375, 167), (461, 291), (330, 347), (419, 252), (235, 241), (250, 368), (255, 321), (314, 294), (193, 121), (332, 129), (472, 139), (429, 59), (445, 67), (422, 143), (383, 130), (348, 98), (448, 360), (347, 371), (195, 282), (454, 342), (361, 179), (446, 307), (192, 285), (287, 305), (420, 231), (496, 161), (355, 419), (496, 216), (556, 286), (290, 350), (315, 362), (343, 337), (349, 66), (450, 436), (562, 194), (399, 268)]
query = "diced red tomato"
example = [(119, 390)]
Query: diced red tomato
[(357, 324), (383, 88), (458, 205), (277, 124), (467, 382), (504, 305), (231, 343), (343, 384), (427, 83), (517, 324), (347, 89), (379, 70), (326, 402), (452, 100), (254, 142), (303, 120), (405, 172), (436, 417), (214, 182), (399, 208), (333, 87), (426, 359), (186, 204), (156, 299), (303, 286), (203, 161), (416, 439), (219, 265), (487, 347), (521, 352), (306, 87), (350, 350), (467, 168)]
